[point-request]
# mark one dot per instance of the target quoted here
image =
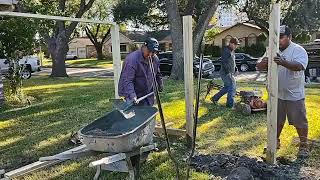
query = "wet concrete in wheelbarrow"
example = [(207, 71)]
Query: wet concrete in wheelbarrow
[(235, 167), (114, 123)]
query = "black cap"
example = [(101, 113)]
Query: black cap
[(152, 44), (234, 40), (285, 30)]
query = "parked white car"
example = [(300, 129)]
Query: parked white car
[(71, 56), (32, 64)]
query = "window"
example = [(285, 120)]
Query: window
[(318, 36), (239, 56), (123, 48)]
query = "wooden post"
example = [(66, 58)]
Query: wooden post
[(274, 33), (115, 37), (188, 75)]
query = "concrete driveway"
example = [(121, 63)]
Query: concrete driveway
[(101, 72), (80, 72)]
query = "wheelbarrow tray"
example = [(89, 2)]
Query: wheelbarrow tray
[(114, 133)]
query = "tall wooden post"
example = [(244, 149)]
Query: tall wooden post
[(115, 37), (188, 75), (274, 33)]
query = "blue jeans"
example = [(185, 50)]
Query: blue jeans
[(229, 87)]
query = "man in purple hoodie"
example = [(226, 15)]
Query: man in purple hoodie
[(136, 77)]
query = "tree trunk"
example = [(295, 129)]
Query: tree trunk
[(202, 25), (58, 48), (99, 51), (175, 22)]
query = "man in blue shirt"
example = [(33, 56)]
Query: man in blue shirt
[(227, 71), (136, 78)]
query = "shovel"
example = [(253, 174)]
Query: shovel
[(123, 107)]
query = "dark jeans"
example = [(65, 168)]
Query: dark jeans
[(228, 88)]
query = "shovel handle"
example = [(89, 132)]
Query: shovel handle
[(143, 97)]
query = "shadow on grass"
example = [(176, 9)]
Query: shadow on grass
[(43, 128)]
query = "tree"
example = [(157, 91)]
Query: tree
[(57, 34), (17, 39), (169, 12), (98, 33), (299, 15)]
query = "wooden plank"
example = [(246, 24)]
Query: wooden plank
[(274, 33), (115, 37), (57, 18), (108, 160), (171, 131), (188, 75), (39, 164)]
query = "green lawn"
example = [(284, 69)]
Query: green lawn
[(80, 63), (64, 105)]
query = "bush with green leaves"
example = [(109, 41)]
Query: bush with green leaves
[(17, 37)]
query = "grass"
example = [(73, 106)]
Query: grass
[(82, 63), (64, 105)]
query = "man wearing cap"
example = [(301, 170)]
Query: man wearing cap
[(136, 78), (227, 71), (292, 60)]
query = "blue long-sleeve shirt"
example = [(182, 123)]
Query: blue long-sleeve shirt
[(228, 63), (136, 78)]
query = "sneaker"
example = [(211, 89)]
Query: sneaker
[(303, 150)]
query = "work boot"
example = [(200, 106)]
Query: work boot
[(303, 150)]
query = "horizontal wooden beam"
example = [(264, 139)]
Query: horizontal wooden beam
[(40, 164), (57, 18)]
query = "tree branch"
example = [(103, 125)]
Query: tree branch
[(190, 7), (97, 31), (203, 22), (105, 36), (90, 35), (83, 8)]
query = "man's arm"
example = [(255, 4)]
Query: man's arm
[(126, 87), (291, 65), (298, 63)]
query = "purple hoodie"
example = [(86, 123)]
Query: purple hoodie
[(136, 78)]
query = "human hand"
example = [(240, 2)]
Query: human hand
[(279, 60), (263, 64)]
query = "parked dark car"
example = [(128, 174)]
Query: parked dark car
[(244, 62), (166, 62)]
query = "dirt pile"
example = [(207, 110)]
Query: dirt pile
[(244, 168)]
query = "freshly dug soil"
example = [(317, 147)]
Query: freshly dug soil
[(243, 168), (114, 123)]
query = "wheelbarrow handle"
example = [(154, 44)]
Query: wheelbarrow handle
[(144, 97)]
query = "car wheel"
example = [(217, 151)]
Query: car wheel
[(244, 67), (26, 73), (75, 58)]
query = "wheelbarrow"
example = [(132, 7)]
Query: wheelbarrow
[(126, 141)]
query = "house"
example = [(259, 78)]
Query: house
[(129, 41), (247, 33)]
